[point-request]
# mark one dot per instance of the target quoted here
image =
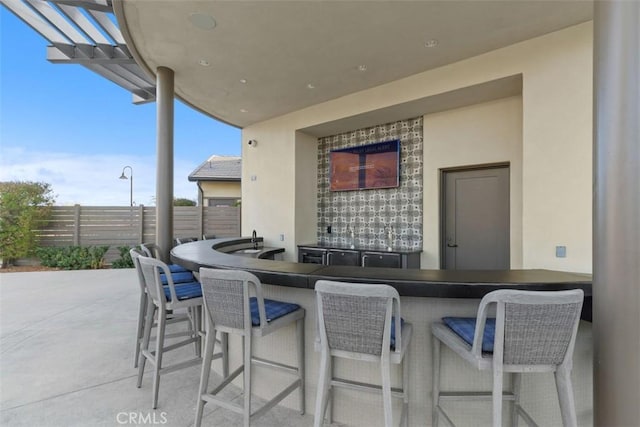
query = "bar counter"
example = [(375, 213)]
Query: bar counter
[(409, 282), (426, 296)]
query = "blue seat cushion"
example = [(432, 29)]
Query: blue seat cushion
[(175, 268), (273, 309), (185, 291), (393, 331), (181, 277), (465, 327)]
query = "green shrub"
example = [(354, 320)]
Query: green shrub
[(125, 260), (24, 205), (73, 257)]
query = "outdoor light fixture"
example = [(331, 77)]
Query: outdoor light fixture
[(202, 21), (431, 43), (123, 176)]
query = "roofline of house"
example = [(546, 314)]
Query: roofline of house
[(194, 179)]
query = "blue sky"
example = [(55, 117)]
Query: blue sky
[(65, 125)]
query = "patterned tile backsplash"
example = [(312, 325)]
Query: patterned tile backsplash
[(370, 213)]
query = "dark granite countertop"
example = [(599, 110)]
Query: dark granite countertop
[(418, 283)]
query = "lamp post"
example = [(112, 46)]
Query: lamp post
[(123, 176)]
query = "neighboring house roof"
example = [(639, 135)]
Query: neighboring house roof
[(218, 168)]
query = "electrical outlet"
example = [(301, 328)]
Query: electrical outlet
[(282, 237), (561, 251)]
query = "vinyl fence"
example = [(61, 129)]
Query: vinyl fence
[(128, 226)]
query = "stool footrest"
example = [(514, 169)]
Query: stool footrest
[(521, 412), (165, 370), (179, 344), (276, 365), (221, 402), (473, 395), (355, 385), (212, 398)]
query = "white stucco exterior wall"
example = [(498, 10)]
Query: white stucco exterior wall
[(223, 189), (556, 111), (484, 133)]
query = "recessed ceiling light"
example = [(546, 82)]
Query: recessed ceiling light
[(202, 21), (311, 86), (243, 81), (362, 68), (431, 43), (244, 110), (204, 63)]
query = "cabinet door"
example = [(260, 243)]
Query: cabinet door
[(336, 257), (376, 259), (311, 255)]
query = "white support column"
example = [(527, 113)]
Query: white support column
[(164, 173), (616, 213)]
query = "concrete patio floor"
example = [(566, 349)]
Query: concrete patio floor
[(66, 357)]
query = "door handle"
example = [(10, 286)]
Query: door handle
[(364, 260), (450, 243)]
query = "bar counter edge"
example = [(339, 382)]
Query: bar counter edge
[(414, 283)]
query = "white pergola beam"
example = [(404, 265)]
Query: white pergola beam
[(132, 76), (142, 97), (58, 55), (35, 21), (109, 27), (98, 5), (78, 18), (56, 20)]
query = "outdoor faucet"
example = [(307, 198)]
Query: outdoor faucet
[(389, 238), (254, 239), (352, 237)]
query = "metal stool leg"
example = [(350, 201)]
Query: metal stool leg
[(142, 311), (301, 362), (435, 381), (324, 385), (516, 380), (565, 396), (205, 371), (148, 324), (386, 393), (247, 381), (497, 397), (162, 323)]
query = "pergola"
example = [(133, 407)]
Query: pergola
[(86, 33)]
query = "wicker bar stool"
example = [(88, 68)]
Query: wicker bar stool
[(361, 322), (183, 240), (144, 301), (179, 274), (161, 299), (532, 332), (230, 308)]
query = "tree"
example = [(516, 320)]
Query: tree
[(180, 201), (23, 207)]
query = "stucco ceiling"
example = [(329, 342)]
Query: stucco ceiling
[(296, 54)]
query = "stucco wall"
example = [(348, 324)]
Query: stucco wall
[(556, 72), (221, 189), (484, 133)]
